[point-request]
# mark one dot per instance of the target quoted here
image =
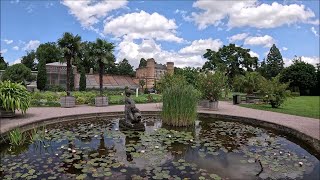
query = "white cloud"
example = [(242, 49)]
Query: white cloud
[(314, 31), (17, 61), (284, 48), (90, 12), (249, 13), (3, 51), (237, 37), (254, 54), (8, 41), (150, 49), (265, 40), (311, 60), (141, 25), (16, 48), (31, 45), (198, 47)]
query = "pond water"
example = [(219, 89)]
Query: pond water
[(211, 149)]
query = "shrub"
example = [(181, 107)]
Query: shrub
[(82, 83), (14, 96), (42, 76), (211, 85), (275, 92), (146, 91), (80, 100), (295, 94), (18, 73), (56, 88), (179, 105), (249, 83)]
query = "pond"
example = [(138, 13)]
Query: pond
[(212, 149)]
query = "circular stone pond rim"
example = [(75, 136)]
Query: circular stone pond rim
[(312, 143)]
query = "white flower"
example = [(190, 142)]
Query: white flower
[(91, 125), (69, 149), (300, 163), (57, 154), (191, 140), (156, 147), (62, 147), (95, 136), (73, 150), (142, 151), (169, 136)]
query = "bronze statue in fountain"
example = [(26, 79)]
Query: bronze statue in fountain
[(132, 119)]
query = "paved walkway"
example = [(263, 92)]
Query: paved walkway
[(308, 126)]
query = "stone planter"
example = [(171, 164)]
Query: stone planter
[(204, 103), (68, 101), (101, 101), (213, 106), (6, 114)]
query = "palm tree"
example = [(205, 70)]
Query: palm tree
[(103, 55), (70, 46)]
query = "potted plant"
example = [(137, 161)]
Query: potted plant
[(211, 85), (70, 46), (102, 54), (13, 96)]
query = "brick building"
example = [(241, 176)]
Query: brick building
[(153, 72)]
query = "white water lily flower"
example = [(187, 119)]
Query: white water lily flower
[(169, 136), (69, 149), (91, 125), (95, 135), (57, 154), (62, 147), (191, 140), (156, 147), (73, 151), (116, 129), (142, 151), (300, 163)]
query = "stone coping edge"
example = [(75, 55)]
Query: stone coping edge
[(310, 142)]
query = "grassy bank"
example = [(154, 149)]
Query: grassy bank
[(307, 106)]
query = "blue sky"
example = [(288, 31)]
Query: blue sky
[(177, 31)]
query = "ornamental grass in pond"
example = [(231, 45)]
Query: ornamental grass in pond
[(179, 105)]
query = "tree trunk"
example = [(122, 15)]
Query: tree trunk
[(101, 69), (68, 75)]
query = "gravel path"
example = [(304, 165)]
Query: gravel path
[(308, 126)]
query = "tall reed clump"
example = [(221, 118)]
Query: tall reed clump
[(179, 105), (17, 137)]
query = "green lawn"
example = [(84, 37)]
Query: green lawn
[(307, 106)]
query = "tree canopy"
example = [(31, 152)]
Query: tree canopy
[(125, 68), (143, 63), (231, 59), (3, 63), (29, 60), (274, 62), (17, 73), (301, 75), (49, 52)]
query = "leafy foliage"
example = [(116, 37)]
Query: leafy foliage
[(42, 75), (249, 83), (17, 73), (275, 92), (211, 85), (143, 63), (274, 62), (70, 46), (142, 83), (29, 60), (190, 73), (17, 137), (14, 96), (3, 63), (84, 58), (301, 75), (179, 105), (49, 52), (170, 80), (230, 59), (125, 68)]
